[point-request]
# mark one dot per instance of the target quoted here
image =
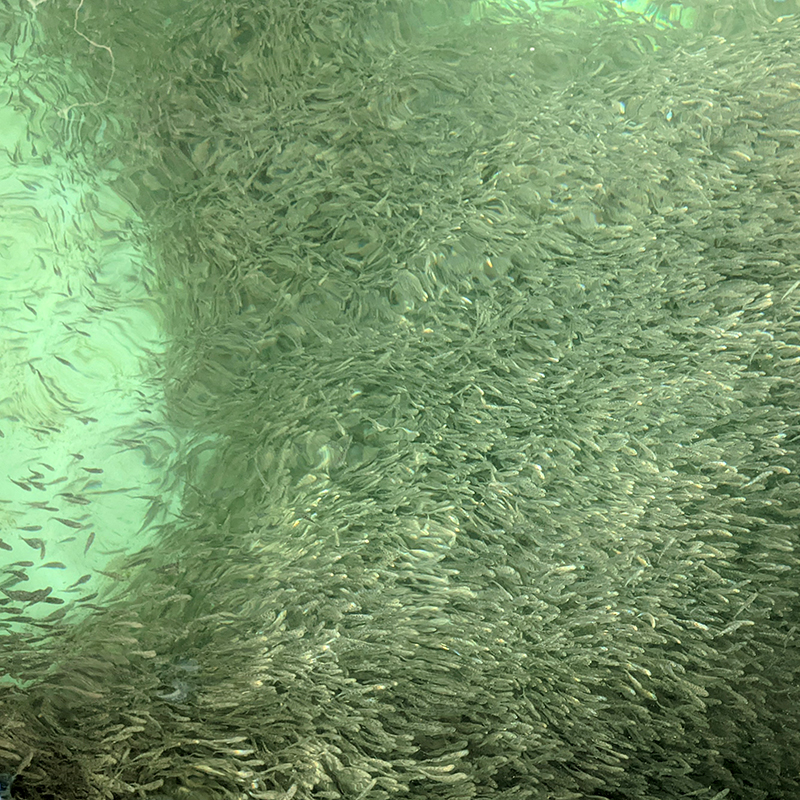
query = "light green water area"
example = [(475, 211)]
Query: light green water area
[(399, 400)]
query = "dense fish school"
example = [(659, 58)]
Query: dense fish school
[(483, 353)]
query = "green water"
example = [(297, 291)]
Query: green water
[(440, 361)]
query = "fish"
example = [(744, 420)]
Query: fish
[(27, 597), (75, 498), (79, 582), (36, 544), (70, 523)]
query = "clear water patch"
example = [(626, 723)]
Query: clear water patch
[(84, 444)]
